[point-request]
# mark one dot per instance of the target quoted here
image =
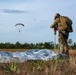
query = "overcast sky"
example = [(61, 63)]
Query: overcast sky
[(37, 16)]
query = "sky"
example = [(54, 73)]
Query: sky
[(37, 16)]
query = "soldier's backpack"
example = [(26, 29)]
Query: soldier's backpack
[(66, 23)]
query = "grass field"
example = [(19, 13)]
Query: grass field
[(51, 67), (13, 50)]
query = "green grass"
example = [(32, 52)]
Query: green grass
[(37, 67), (10, 67)]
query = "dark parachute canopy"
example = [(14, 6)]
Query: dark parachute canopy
[(19, 24)]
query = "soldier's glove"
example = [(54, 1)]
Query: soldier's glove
[(51, 26)]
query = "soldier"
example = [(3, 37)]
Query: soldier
[(64, 25)]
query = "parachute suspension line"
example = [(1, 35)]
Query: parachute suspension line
[(55, 44), (54, 38), (54, 41)]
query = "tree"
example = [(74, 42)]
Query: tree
[(70, 42), (47, 45), (17, 45)]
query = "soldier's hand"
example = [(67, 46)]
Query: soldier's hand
[(51, 26)]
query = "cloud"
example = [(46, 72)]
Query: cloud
[(13, 11)]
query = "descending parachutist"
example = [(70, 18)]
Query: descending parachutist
[(19, 30), (20, 24)]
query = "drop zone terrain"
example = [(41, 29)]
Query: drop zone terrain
[(51, 67)]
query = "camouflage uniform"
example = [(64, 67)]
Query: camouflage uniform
[(62, 33), (62, 40)]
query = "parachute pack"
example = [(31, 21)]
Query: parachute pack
[(67, 23)]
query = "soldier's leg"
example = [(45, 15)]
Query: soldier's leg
[(61, 45), (66, 47), (62, 48), (63, 36), (66, 44)]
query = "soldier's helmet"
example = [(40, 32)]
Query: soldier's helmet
[(57, 15)]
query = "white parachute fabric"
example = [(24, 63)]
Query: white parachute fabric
[(34, 54)]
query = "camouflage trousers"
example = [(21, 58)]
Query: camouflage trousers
[(62, 42)]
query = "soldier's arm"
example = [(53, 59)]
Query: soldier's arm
[(54, 24)]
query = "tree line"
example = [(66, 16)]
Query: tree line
[(45, 45), (26, 45)]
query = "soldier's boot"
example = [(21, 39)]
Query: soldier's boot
[(67, 52)]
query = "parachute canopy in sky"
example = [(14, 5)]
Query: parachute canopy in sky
[(19, 24)]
